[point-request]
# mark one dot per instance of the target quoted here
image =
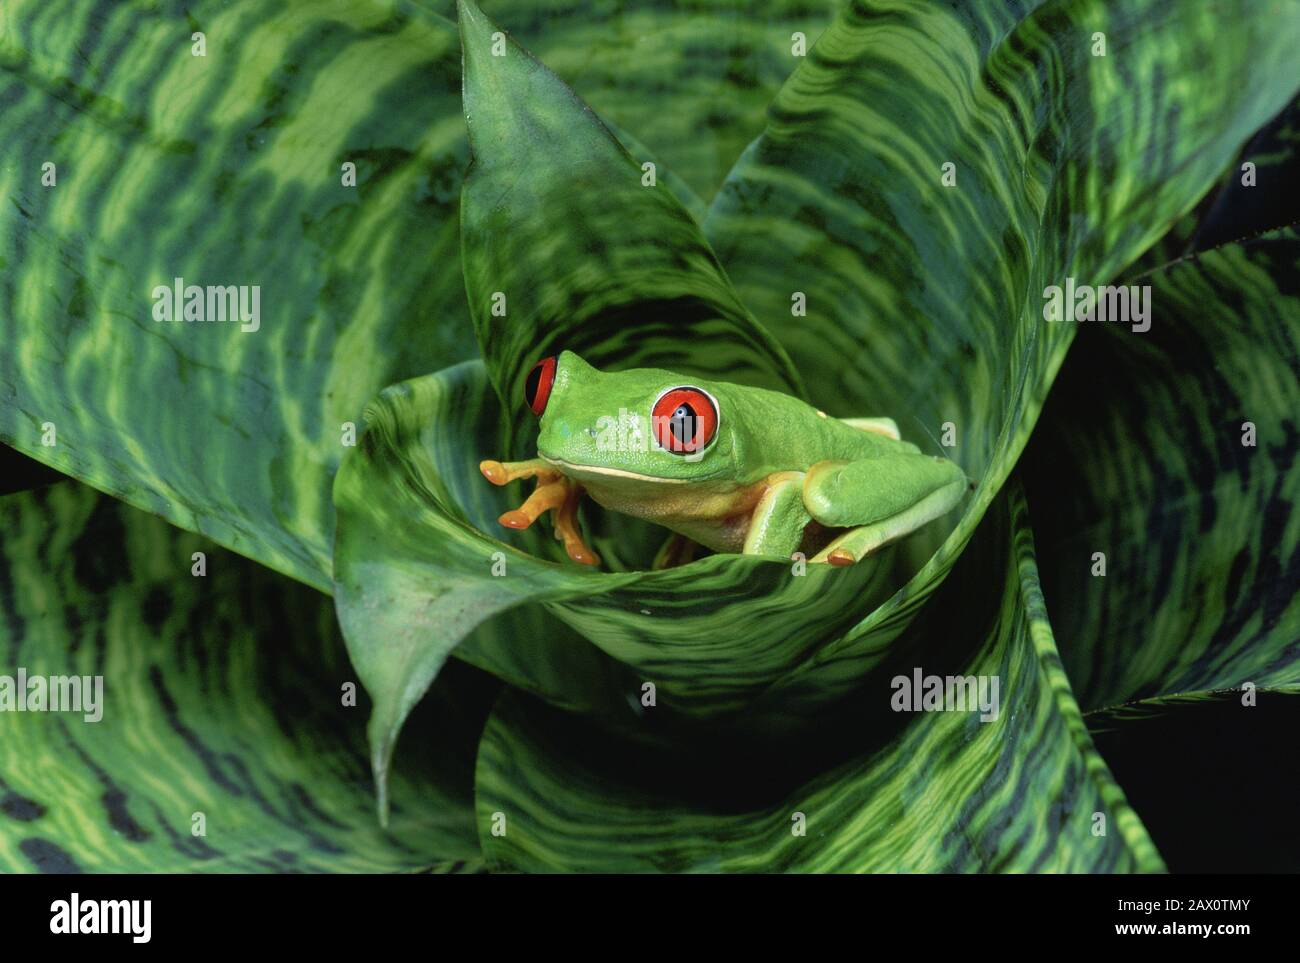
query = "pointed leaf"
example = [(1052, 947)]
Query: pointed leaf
[(567, 242), (694, 84)]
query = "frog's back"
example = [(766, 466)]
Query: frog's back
[(794, 435)]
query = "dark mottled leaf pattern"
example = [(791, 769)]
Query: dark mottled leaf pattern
[(577, 799), (924, 301), (222, 695), (1200, 531), (718, 65), (1252, 197), (226, 169), (223, 170), (629, 281), (922, 304)]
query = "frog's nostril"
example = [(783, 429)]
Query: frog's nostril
[(592, 432)]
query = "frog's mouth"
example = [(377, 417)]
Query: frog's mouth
[(571, 468)]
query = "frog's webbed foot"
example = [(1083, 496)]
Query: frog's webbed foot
[(676, 550), (554, 492)]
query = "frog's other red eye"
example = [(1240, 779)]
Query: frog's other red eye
[(537, 389), (684, 420)]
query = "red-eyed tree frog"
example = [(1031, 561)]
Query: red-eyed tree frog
[(730, 467)]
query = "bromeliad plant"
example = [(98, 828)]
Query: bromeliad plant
[(923, 173)]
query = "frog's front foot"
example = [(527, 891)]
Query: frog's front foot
[(554, 492)]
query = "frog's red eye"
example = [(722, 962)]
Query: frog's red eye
[(684, 420), (537, 389)]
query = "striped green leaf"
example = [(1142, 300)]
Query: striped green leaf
[(568, 242), (922, 303), (1181, 485), (1023, 793), (1118, 717), (924, 300), (222, 695), (692, 82), (1253, 196), (225, 169)]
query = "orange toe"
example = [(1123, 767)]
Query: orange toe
[(494, 471), (515, 519), (841, 557), (581, 554)]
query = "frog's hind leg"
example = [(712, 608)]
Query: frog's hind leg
[(879, 500), (878, 426), (568, 532), (676, 550)]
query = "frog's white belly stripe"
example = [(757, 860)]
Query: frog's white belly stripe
[(615, 472)]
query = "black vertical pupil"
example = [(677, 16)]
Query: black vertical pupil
[(682, 423), (532, 384)]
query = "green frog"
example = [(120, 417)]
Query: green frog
[(726, 466)]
